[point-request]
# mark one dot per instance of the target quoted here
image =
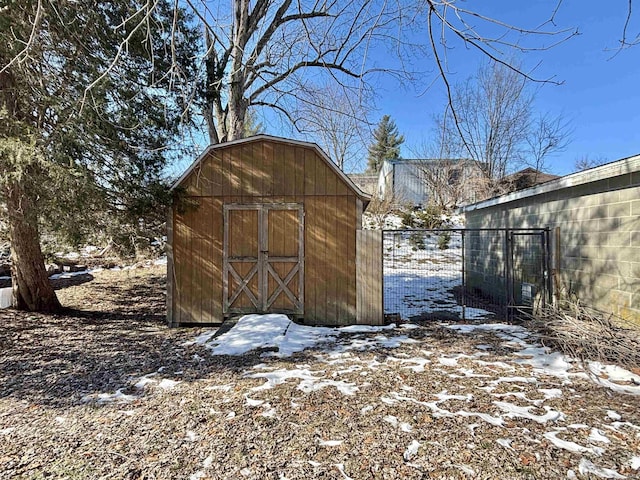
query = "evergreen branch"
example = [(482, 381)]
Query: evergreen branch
[(32, 37), (121, 46)]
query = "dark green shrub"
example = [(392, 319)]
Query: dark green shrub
[(408, 220), (430, 217), (416, 240), (443, 240)]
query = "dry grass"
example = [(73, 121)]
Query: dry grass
[(588, 334)]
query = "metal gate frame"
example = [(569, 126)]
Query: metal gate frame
[(547, 290), (263, 301), (511, 307)]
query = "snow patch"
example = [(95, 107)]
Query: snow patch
[(597, 436), (409, 326), (6, 297), (506, 443), (313, 385), (264, 331), (340, 467), (465, 469), (277, 332), (330, 443), (405, 427), (586, 467), (411, 450), (416, 365), (550, 393), (365, 328), (613, 415), (200, 473), (278, 377), (516, 411), (615, 378), (253, 402), (56, 276), (167, 384), (448, 362), (571, 446), (103, 398)]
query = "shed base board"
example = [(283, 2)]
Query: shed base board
[(195, 325)]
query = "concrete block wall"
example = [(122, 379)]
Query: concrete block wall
[(596, 253), (485, 265)]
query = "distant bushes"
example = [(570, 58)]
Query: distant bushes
[(443, 240), (431, 217)]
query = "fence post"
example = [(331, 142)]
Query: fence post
[(548, 278), (507, 272), (464, 280)]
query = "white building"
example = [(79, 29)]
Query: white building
[(449, 182)]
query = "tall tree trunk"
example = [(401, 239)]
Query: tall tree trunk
[(211, 125), (237, 114), (237, 105), (31, 288)]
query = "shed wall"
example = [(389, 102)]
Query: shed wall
[(596, 252), (266, 172)]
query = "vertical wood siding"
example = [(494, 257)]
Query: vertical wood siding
[(369, 274), (265, 172)]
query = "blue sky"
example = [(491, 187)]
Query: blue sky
[(600, 93)]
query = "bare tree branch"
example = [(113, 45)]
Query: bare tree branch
[(32, 36), (336, 119), (494, 124), (624, 42), (487, 45), (148, 9), (258, 55)]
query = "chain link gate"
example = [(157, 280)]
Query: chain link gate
[(452, 274)]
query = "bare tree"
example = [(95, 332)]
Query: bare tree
[(495, 126), (449, 179), (382, 207), (336, 118), (586, 162), (260, 53), (548, 135), (452, 22), (257, 53)]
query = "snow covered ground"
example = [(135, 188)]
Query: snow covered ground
[(5, 297), (420, 278), (274, 399), (525, 388)]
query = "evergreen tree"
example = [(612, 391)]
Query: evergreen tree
[(386, 144), (87, 109), (252, 124)]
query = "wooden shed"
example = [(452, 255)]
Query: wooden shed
[(270, 225)]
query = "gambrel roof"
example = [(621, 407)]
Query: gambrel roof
[(269, 138)]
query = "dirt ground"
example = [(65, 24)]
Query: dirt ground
[(70, 407)]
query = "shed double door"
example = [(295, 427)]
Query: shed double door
[(263, 263)]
